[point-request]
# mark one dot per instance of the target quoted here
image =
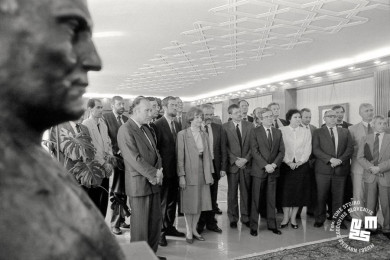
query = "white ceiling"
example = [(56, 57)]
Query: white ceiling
[(200, 48)]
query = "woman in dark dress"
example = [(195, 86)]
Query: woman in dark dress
[(295, 179)]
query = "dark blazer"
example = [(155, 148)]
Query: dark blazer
[(324, 150), (263, 155), (188, 158), (141, 159), (219, 150), (83, 130), (167, 147), (233, 146), (113, 127)]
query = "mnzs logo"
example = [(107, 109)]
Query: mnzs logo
[(357, 234)]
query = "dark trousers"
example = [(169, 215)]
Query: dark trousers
[(146, 219), (118, 187), (240, 179), (348, 192), (336, 186), (259, 186), (169, 192), (99, 196)]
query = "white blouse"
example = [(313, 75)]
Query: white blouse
[(297, 144), (198, 138)]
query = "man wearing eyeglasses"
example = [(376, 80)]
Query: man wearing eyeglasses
[(333, 148)]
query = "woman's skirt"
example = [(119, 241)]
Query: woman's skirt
[(295, 185)]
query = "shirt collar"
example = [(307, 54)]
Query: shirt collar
[(115, 114), (265, 128), (380, 134), (169, 120), (366, 124), (139, 126)]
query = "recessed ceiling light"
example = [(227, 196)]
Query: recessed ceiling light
[(281, 83), (384, 62), (311, 76), (296, 80), (377, 62), (351, 68), (330, 72), (108, 34)]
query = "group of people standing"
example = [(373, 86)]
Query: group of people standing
[(173, 161)]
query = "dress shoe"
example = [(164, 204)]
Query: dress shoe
[(343, 226), (161, 258), (246, 223), (180, 214), (200, 238), (116, 231), (318, 224), (275, 231), (298, 216), (214, 229), (294, 226), (218, 211), (163, 241), (175, 233), (387, 235), (124, 225), (199, 230), (253, 232), (284, 225), (233, 224), (189, 240)]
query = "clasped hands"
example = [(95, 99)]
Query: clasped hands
[(159, 177), (335, 162), (376, 170), (295, 165), (270, 168), (183, 183), (240, 162)]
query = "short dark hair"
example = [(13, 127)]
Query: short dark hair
[(292, 112), (151, 99), (92, 102), (159, 102), (305, 110), (263, 111), (165, 101), (135, 103), (194, 111), (273, 104), (337, 107), (119, 98), (207, 105), (231, 107), (242, 100)]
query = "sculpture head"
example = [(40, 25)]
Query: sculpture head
[(45, 55)]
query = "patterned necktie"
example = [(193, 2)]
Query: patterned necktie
[(276, 124), (151, 129), (269, 138), (332, 135), (369, 129), (119, 120), (147, 137), (376, 149), (173, 131), (239, 136)]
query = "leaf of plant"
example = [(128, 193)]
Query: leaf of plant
[(89, 174), (76, 146)]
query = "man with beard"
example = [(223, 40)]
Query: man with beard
[(46, 53), (167, 129), (114, 120)]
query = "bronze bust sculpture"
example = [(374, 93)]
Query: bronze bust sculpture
[(46, 51)]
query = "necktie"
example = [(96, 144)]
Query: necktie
[(147, 137), (153, 133), (239, 135), (173, 131), (269, 138), (98, 126), (119, 120), (245, 119), (369, 129), (207, 128), (332, 135), (376, 149), (276, 124)]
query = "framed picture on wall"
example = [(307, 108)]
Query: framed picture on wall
[(323, 109)]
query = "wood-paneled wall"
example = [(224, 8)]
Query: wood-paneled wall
[(352, 92)]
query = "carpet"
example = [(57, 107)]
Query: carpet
[(328, 249)]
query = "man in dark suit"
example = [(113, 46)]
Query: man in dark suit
[(155, 108), (278, 122), (237, 135), (244, 106), (333, 148), (167, 129), (268, 152), (114, 120), (143, 174), (181, 116), (218, 154)]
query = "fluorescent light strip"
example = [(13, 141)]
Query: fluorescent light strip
[(328, 66)]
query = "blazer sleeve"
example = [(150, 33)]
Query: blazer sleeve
[(346, 156), (279, 158), (180, 153), (256, 152), (231, 156), (131, 155), (317, 151), (385, 165), (248, 156), (366, 164)]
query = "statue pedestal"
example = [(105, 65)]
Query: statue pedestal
[(138, 250)]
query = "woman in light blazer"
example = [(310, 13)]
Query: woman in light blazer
[(195, 170)]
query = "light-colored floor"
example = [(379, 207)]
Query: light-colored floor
[(237, 242)]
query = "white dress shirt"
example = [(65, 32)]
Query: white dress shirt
[(170, 124), (270, 131), (239, 126), (198, 138), (297, 144), (336, 136)]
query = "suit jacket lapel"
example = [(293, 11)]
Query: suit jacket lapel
[(385, 143), (141, 134), (327, 135), (215, 135), (244, 132), (168, 128), (191, 140), (233, 130)]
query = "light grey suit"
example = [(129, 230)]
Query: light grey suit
[(373, 183), (358, 131), (235, 175)]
